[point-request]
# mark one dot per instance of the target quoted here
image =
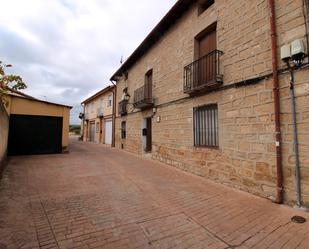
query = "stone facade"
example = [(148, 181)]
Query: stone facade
[(246, 157), (98, 109)]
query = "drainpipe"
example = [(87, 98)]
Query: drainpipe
[(295, 140), (83, 123), (114, 114), (272, 19)]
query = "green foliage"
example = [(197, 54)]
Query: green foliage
[(75, 129), (9, 81)]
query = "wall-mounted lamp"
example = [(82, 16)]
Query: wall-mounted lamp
[(125, 96)]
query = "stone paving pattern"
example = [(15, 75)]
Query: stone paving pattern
[(97, 197)]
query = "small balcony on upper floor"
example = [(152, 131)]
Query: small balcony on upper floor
[(122, 107), (100, 112), (143, 97), (81, 115), (203, 74)]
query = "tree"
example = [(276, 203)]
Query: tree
[(9, 81)]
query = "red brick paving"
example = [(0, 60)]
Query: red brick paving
[(97, 197)]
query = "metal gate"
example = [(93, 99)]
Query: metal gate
[(108, 131), (92, 132), (33, 135)]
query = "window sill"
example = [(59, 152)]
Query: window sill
[(196, 147)]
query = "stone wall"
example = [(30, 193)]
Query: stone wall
[(4, 132), (246, 155)]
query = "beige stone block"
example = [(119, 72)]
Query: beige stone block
[(253, 119), (263, 168), (271, 148), (241, 155), (259, 177), (258, 128), (249, 183), (265, 96), (232, 113), (251, 100), (264, 109), (246, 111), (258, 147), (246, 129), (255, 156)]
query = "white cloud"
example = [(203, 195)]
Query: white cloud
[(68, 49)]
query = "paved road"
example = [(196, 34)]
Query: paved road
[(97, 197)]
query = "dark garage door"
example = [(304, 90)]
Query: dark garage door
[(32, 135)]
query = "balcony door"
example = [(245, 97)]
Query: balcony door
[(206, 67), (148, 86)]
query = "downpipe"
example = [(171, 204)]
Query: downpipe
[(295, 140), (272, 20), (114, 115)]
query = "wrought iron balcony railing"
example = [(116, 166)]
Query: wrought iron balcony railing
[(203, 73), (143, 97), (122, 107), (100, 112)]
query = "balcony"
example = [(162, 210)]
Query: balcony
[(81, 115), (143, 97), (203, 74), (122, 107), (100, 112)]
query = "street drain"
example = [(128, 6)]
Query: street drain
[(298, 219), (2, 246)]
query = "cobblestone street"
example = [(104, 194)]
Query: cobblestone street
[(97, 197)]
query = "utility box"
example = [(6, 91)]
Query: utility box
[(285, 52)]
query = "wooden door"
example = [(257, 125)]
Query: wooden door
[(207, 60), (149, 135)]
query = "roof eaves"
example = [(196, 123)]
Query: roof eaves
[(41, 101), (106, 89), (180, 7)]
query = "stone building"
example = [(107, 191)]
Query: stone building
[(200, 94), (97, 120)]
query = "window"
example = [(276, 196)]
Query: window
[(110, 100), (123, 130), (205, 123), (204, 5)]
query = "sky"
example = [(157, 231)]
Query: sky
[(66, 50)]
